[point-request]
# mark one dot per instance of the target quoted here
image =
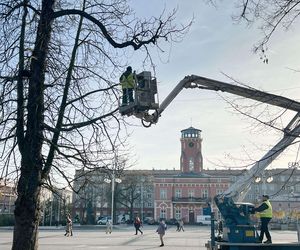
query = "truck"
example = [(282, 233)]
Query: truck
[(239, 232)]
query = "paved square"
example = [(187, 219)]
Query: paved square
[(123, 238)]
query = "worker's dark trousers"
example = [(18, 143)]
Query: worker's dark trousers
[(127, 95), (264, 229)]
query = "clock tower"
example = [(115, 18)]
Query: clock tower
[(191, 160)]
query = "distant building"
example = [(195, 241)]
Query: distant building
[(8, 196), (185, 194), (55, 205)]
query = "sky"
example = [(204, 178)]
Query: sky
[(215, 46)]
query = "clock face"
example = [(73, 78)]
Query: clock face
[(191, 144)]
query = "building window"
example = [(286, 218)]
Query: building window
[(163, 194), (178, 193), (191, 164), (149, 204), (177, 213), (219, 191), (163, 213), (205, 193), (191, 193)]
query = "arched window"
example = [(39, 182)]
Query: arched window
[(191, 164), (163, 213)]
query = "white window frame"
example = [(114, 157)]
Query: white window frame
[(163, 194), (177, 213), (163, 213), (178, 193), (191, 193)]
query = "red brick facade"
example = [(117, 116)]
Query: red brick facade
[(187, 194)]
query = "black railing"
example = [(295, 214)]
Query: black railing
[(191, 199)]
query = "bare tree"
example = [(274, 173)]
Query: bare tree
[(129, 192), (271, 16), (58, 105)]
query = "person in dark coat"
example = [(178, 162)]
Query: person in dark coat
[(178, 225), (161, 230), (181, 226), (137, 224)]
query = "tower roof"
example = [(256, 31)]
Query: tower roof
[(191, 130)]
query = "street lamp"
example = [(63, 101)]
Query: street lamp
[(257, 179), (264, 180), (142, 198), (51, 203), (269, 179), (112, 181)]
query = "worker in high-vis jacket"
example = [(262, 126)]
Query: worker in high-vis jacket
[(265, 214), (127, 82)]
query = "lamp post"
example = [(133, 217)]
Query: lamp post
[(58, 211), (142, 198), (44, 212), (112, 180), (51, 202), (9, 201)]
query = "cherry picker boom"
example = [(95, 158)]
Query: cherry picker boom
[(146, 90), (237, 224)]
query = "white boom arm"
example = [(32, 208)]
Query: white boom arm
[(239, 188), (200, 82)]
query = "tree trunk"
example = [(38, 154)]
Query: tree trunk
[(131, 211), (27, 212), (27, 207)]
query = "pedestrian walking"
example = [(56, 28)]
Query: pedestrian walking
[(137, 224), (69, 230), (108, 226), (161, 230), (181, 226), (178, 225), (265, 213)]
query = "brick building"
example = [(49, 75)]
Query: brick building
[(186, 194), (8, 196), (183, 193)]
